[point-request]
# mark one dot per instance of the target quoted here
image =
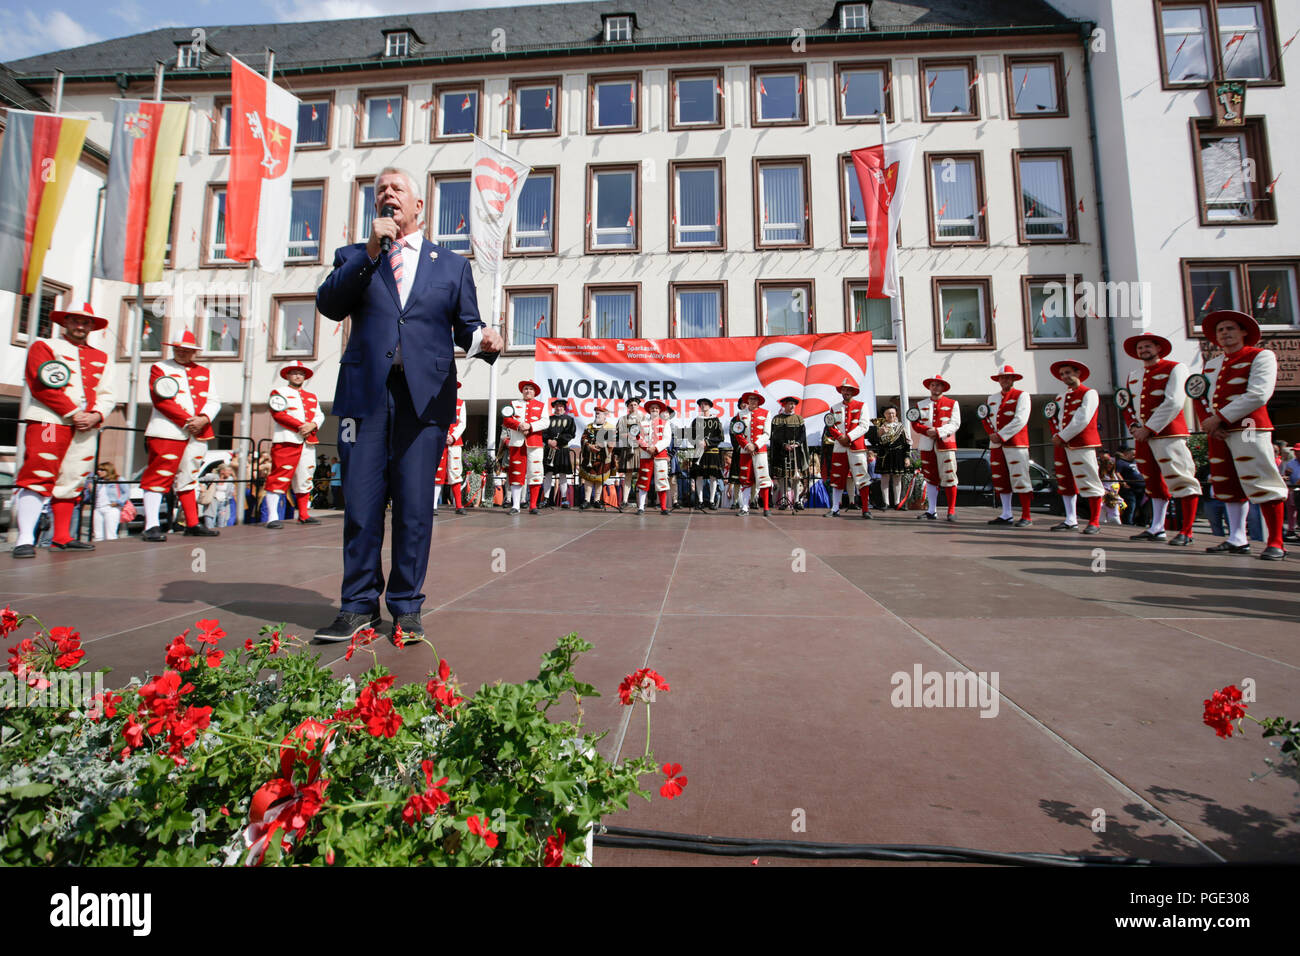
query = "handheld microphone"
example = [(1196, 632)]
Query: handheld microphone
[(386, 243)]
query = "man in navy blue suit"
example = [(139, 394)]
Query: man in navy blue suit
[(396, 397)]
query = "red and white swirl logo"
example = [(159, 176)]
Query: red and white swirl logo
[(811, 367)]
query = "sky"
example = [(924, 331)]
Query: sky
[(27, 29)]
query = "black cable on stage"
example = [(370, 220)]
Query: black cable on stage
[(634, 839)]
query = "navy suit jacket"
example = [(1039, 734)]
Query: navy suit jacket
[(441, 313)]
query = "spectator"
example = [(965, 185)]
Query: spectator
[(1112, 504), (109, 496), (217, 512), (1215, 513), (1291, 475), (336, 483), (1133, 487)]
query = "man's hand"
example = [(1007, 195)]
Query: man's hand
[(552, 442), (84, 421), (749, 448), (1056, 440), (491, 341), (380, 228), (196, 424), (995, 442), (1212, 425), (932, 432), (1142, 433), (307, 429)]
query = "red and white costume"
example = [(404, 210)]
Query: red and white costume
[(849, 453), (451, 465), (1242, 464), (525, 420), (653, 441), (1009, 446), (753, 467), (938, 454), (1076, 459), (293, 458), (60, 380)]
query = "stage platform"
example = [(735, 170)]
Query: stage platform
[(782, 637)]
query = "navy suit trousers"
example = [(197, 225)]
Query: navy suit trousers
[(394, 456)]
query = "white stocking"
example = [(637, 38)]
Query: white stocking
[(1237, 522), (1071, 503), (28, 508), (837, 496), (152, 505), (744, 498), (931, 497), (1159, 507), (516, 495), (1006, 505)]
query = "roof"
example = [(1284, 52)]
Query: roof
[(13, 93), (553, 28)]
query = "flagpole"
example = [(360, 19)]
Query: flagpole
[(493, 372), (895, 306)]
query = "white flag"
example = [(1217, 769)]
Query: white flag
[(497, 181), (882, 180), (259, 199)]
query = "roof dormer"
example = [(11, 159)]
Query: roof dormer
[(400, 41), (853, 16), (619, 27)]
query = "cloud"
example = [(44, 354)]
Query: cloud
[(298, 10), (45, 33)]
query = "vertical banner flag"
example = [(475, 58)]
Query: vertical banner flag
[(259, 200), (37, 159), (497, 180), (146, 146), (882, 178)]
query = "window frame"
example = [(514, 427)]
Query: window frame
[(125, 309), (359, 184), (593, 170), (638, 87), (1255, 134), (674, 320), (758, 163), (1066, 155), (363, 116), (557, 98), (1214, 64), (887, 89), (551, 291), (435, 120), (715, 74), (1080, 340), (1241, 266), (720, 166), (219, 105), (851, 284), (756, 75), (612, 20), (972, 94), (324, 96), (843, 10), (590, 289), (319, 239), (200, 308), (61, 300), (394, 39), (511, 253), (931, 160), (760, 313), (273, 348), (985, 284), (436, 177), (1057, 62), (173, 237), (207, 237)]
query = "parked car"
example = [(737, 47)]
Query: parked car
[(975, 482), (6, 493)]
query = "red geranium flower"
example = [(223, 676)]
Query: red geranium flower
[(441, 691), (1223, 707), (640, 684), (179, 653), (8, 621), (211, 632), (68, 643), (482, 829), (427, 802), (674, 784), (554, 850), (360, 639), (103, 705), (214, 659)]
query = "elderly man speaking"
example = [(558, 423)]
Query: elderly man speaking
[(411, 303)]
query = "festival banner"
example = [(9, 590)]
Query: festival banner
[(882, 179), (497, 180), (604, 373)]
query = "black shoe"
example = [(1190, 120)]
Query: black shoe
[(435, 512), (866, 516), (640, 511), (766, 512), (1092, 529), (664, 511), (273, 525), (153, 534), (460, 511), (1023, 523), (798, 507), (1180, 540), (952, 519), (565, 506), (831, 514), (1147, 536), (1224, 548), (316, 520), (514, 511), (1064, 526), (927, 516), (1272, 554), (412, 628), (1000, 520), (198, 531), (532, 511), (24, 551), (73, 545), (346, 626)]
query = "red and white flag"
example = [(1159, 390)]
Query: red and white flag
[(497, 179), (882, 180), (263, 128)]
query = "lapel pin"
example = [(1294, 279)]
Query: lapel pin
[(433, 256)]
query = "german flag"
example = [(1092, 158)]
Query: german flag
[(37, 161), (146, 146)]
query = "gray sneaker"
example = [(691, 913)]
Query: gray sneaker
[(346, 626)]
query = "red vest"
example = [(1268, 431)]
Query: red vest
[(1006, 412), (1234, 374), (757, 429), (460, 417), (1155, 379), (852, 418), (942, 416), (654, 432), (536, 411), (1089, 437)]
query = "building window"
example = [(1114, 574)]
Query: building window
[(381, 116), (614, 104), (956, 199), (1045, 188), (853, 16), (862, 91), (215, 233), (1233, 173), (618, 29), (535, 105), (613, 205), (1051, 321), (785, 308), (457, 112), (53, 296), (173, 227), (1264, 288), (305, 222), (220, 141), (152, 326), (314, 122), (218, 323), (530, 315), (533, 231), (1035, 86), (611, 311), (699, 310), (397, 44), (949, 91), (778, 97), (696, 206), (448, 212), (868, 315), (363, 209), (296, 324), (697, 100), (1233, 41), (961, 310), (187, 57), (781, 203)]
